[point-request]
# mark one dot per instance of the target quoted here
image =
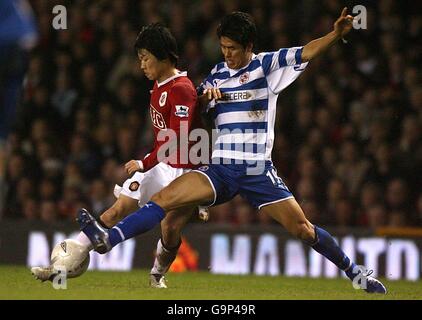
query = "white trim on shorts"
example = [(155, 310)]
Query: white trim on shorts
[(212, 186), (279, 200)]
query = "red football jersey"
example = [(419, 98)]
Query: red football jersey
[(173, 104)]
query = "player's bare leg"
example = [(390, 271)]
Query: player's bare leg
[(189, 190), (119, 210), (290, 215), (168, 245)]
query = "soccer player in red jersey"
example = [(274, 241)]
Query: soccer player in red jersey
[(173, 110)]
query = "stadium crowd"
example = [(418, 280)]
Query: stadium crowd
[(349, 130)]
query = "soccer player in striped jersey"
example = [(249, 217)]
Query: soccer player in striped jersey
[(242, 94)]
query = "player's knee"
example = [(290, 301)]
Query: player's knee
[(304, 231)]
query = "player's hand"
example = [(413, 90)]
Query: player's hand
[(133, 165), (213, 93), (343, 24)]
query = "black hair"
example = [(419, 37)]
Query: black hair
[(158, 40), (239, 27)]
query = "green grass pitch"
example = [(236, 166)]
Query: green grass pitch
[(18, 283)]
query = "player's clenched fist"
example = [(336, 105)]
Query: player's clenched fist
[(134, 165)]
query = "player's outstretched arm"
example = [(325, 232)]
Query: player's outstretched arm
[(342, 26)]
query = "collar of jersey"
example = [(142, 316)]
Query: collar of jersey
[(179, 74), (235, 71)]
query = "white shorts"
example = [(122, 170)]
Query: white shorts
[(143, 185)]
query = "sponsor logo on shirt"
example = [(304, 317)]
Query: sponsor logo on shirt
[(157, 118), (236, 95)]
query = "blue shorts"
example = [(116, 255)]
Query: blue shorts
[(228, 180)]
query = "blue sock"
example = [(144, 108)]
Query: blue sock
[(140, 221), (328, 247)]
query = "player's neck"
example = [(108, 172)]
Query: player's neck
[(246, 61), (171, 72)]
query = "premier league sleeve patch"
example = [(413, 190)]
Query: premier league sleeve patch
[(182, 111)]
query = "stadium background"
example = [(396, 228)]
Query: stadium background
[(348, 132)]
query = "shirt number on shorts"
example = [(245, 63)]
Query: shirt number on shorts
[(275, 179)]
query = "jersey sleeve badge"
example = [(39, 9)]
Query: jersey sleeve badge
[(182, 111)]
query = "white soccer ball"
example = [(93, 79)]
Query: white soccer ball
[(70, 256)]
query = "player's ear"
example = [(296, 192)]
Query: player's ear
[(249, 47)]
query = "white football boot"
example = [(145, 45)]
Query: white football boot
[(157, 281), (43, 273)]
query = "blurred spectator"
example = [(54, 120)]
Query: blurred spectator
[(397, 197), (48, 211), (64, 96), (82, 154), (126, 144), (344, 213), (68, 204), (312, 212), (48, 190), (336, 191), (397, 218), (376, 216), (31, 209), (222, 213), (384, 167), (306, 190), (100, 197), (370, 196), (243, 212), (353, 168)]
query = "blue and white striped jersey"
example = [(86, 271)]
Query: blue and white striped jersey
[(245, 116)]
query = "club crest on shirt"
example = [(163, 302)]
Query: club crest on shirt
[(163, 99), (134, 186), (244, 78), (182, 111)]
